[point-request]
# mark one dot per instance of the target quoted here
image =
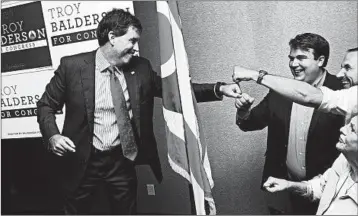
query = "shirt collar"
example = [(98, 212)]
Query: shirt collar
[(352, 190), (320, 80), (101, 62)]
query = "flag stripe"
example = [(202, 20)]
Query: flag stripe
[(168, 67), (166, 47), (179, 169), (171, 97), (173, 7), (174, 122)]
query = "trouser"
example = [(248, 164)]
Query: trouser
[(119, 177)]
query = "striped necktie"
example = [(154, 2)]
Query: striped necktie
[(126, 134)]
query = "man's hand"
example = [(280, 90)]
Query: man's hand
[(59, 145), (231, 90), (244, 74), (275, 185), (244, 102)]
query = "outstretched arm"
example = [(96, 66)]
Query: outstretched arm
[(297, 91), (204, 92), (275, 185), (311, 189)]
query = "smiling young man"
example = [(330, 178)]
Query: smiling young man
[(109, 95), (300, 141), (342, 102)]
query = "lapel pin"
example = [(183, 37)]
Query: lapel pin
[(132, 72)]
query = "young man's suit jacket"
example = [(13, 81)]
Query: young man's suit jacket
[(74, 85), (274, 112)]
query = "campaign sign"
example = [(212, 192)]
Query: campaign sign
[(23, 38)]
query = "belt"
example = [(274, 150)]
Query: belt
[(96, 151)]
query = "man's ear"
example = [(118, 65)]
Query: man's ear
[(321, 60), (111, 37)]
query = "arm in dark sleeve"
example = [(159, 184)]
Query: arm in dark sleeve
[(258, 118), (203, 92), (51, 101)]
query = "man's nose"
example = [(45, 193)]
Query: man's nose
[(341, 73), (343, 130), (294, 63)]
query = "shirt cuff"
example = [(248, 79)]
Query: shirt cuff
[(242, 115), (217, 90), (314, 190)]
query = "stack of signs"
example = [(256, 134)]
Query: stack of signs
[(34, 37)]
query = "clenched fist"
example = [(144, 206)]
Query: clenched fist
[(60, 145)]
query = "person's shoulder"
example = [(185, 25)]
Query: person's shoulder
[(340, 165), (139, 60), (79, 56), (353, 89), (332, 82), (351, 93), (139, 63)]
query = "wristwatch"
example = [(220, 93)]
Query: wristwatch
[(262, 73)]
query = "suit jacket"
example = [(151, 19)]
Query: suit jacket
[(274, 112), (73, 85)]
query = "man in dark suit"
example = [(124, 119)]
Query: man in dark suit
[(301, 141), (108, 126)]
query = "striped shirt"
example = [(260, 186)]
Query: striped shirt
[(106, 133)]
